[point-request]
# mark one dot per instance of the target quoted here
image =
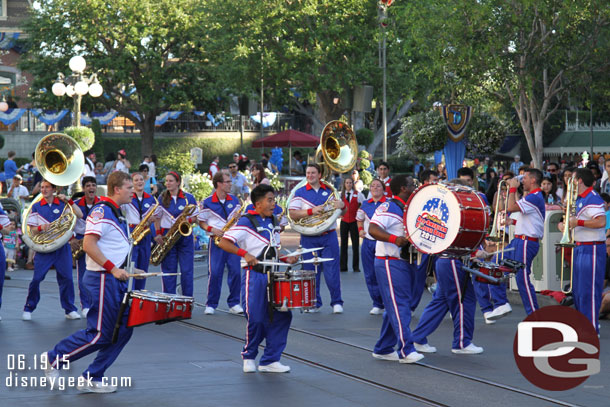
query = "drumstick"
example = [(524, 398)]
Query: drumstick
[(157, 274), (510, 249)]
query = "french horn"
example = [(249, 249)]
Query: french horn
[(61, 162)]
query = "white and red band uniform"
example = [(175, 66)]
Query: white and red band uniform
[(114, 245), (530, 220), (166, 218), (132, 213), (213, 169), (351, 211), (252, 242), (307, 197), (393, 224), (81, 223), (361, 216), (589, 207), (386, 183), (210, 212)]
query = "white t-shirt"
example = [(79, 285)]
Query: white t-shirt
[(19, 194), (121, 167)]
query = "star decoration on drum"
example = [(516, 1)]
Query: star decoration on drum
[(432, 207)]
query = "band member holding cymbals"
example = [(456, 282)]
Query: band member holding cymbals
[(257, 235), (394, 274), (107, 246)]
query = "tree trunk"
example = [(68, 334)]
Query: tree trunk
[(147, 132), (327, 110), (394, 115)]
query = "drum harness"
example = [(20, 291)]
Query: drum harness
[(268, 253)]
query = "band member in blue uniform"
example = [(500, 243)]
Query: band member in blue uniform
[(589, 264), (257, 235), (43, 212), (394, 274), (85, 203), (139, 207), (364, 215), (529, 229), (216, 211), (173, 202), (5, 227), (309, 200), (107, 246), (454, 293)]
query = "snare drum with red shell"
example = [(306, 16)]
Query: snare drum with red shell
[(149, 306), (446, 218), (294, 289), (181, 307), (492, 270)]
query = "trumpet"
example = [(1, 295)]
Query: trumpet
[(567, 239)]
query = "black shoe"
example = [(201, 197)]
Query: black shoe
[(7, 277)]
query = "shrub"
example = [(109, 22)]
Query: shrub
[(200, 185), (364, 136)]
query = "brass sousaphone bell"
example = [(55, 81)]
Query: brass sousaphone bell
[(61, 162)]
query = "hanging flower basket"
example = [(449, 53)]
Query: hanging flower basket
[(422, 134), (485, 135)]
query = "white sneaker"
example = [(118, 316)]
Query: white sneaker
[(95, 387), (392, 357), (73, 315), (275, 367), (411, 358), (249, 366), (501, 311), (424, 348), (209, 311), (471, 349), (26, 316), (314, 310), (85, 312), (236, 309), (486, 316), (376, 311), (337, 309), (49, 372)]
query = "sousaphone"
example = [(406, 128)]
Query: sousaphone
[(337, 152), (61, 162)]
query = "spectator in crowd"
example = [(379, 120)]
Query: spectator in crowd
[(109, 164), (145, 161), (214, 166), (553, 168), (358, 184), (150, 183), (100, 177), (265, 160), (89, 164), (11, 243), (516, 164), (122, 163), (549, 191), (236, 157), (239, 185), (258, 175), (296, 167), (565, 177), (10, 168), (152, 165), (17, 191), (417, 167), (605, 184), (243, 163)]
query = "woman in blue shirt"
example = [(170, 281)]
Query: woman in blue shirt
[(150, 183)]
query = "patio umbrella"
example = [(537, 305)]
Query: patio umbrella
[(288, 138)]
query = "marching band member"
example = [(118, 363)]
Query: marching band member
[(43, 212), (216, 211), (309, 200), (454, 293), (107, 247), (85, 204), (254, 233), (141, 203), (173, 201), (529, 229), (364, 215), (5, 227), (394, 274), (590, 252), (383, 172)]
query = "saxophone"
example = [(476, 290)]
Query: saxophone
[(231, 221), (143, 228), (79, 250), (181, 227)]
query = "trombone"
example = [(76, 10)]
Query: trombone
[(567, 239), (497, 235)]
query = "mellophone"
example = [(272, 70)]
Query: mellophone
[(150, 306)]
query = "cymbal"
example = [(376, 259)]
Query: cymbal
[(302, 251), (314, 260)]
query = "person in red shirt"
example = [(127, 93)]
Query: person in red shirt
[(349, 226)]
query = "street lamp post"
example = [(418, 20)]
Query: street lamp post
[(383, 15), (77, 85)]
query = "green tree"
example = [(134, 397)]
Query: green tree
[(154, 47), (528, 52)]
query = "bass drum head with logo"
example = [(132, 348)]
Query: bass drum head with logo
[(433, 218)]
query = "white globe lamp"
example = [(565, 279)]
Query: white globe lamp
[(77, 64), (59, 89), (81, 88), (95, 89)]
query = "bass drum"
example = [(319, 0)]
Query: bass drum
[(446, 218)]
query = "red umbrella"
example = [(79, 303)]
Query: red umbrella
[(288, 138)]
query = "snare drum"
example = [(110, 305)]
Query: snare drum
[(446, 218), (295, 289), (181, 307), (147, 307), (492, 270)]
